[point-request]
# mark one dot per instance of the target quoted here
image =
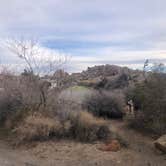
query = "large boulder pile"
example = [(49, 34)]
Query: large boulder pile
[(103, 70)]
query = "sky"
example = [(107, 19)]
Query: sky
[(91, 32)]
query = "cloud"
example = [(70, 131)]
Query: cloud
[(109, 30)]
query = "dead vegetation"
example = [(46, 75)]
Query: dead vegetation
[(30, 118), (37, 127), (86, 127), (81, 126)]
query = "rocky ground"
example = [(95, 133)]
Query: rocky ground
[(140, 152)]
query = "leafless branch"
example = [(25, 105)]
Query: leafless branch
[(37, 60)]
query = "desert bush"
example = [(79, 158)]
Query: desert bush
[(20, 93), (81, 126), (105, 104), (149, 100), (37, 127), (10, 96), (85, 127), (20, 99), (8, 104)]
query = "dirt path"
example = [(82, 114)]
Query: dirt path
[(68, 153), (13, 157), (141, 150)]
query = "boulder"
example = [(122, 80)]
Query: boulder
[(161, 143)]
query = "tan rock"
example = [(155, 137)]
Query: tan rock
[(161, 143), (113, 146)]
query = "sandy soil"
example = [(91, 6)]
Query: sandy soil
[(140, 152)]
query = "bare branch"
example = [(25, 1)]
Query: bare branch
[(37, 59)]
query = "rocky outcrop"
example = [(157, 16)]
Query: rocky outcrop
[(103, 76), (108, 71), (161, 143), (103, 70)]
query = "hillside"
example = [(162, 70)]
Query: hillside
[(108, 76)]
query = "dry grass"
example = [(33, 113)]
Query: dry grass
[(81, 126), (37, 127), (86, 127)]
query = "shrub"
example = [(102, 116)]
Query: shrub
[(37, 127), (20, 109), (149, 101), (20, 93), (108, 105), (10, 99), (85, 127), (81, 126)]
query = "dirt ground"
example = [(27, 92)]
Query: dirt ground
[(140, 152)]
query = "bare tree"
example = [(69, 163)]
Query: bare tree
[(37, 61)]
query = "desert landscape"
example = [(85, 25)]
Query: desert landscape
[(82, 83), (111, 137)]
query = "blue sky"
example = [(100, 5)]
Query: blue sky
[(92, 32)]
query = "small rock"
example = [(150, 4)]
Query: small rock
[(113, 146), (161, 143)]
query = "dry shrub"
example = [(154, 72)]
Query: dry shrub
[(86, 127), (37, 127), (19, 112), (105, 104), (10, 96), (17, 93), (81, 126), (21, 94)]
